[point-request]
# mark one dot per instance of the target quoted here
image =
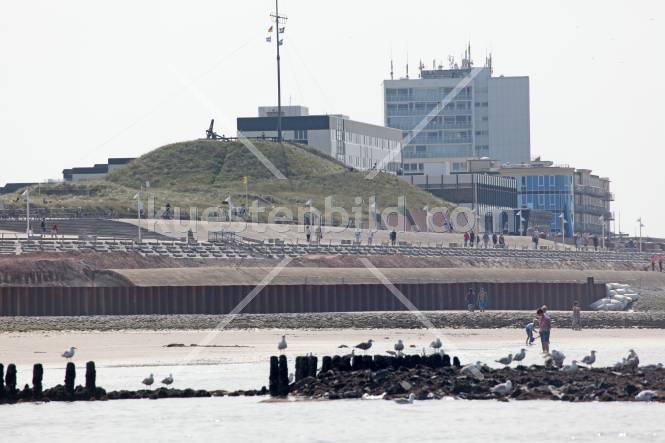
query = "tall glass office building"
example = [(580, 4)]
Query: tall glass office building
[(474, 115)]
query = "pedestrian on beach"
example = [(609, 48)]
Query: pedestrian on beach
[(466, 239), (653, 262), (577, 320), (308, 232), (545, 327), (471, 299), (660, 262), (393, 237), (482, 299), (530, 327), (486, 239), (495, 239)]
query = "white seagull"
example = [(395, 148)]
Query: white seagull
[(503, 388), (148, 381), (558, 357), (571, 368), (520, 355), (282, 344), (472, 371), (505, 360), (69, 354), (646, 395), (168, 380), (589, 359), (406, 401)]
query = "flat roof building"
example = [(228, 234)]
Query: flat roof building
[(473, 114), (358, 145), (98, 171)]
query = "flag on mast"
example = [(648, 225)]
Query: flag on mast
[(270, 28)]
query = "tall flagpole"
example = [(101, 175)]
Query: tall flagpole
[(278, 21)]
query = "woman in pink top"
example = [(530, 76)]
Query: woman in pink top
[(545, 326)]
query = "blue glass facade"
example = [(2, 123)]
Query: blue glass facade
[(552, 193)]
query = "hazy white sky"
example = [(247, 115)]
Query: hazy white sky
[(81, 81)]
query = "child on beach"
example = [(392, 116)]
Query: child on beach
[(529, 332)]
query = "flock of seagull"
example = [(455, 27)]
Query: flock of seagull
[(553, 359)]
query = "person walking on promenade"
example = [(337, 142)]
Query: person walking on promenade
[(545, 327), (495, 239), (466, 239), (577, 320), (486, 239), (534, 238), (356, 236), (482, 299), (595, 243), (54, 231), (653, 262), (472, 238), (308, 232), (660, 262), (43, 226), (319, 234), (502, 241), (393, 237), (478, 240), (370, 236), (471, 300)]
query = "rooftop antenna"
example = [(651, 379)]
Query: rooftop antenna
[(279, 22), (391, 67), (407, 65), (421, 66)]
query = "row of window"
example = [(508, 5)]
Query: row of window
[(367, 140)]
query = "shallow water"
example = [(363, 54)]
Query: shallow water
[(249, 420)]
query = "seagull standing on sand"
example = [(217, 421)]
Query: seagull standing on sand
[(589, 359), (646, 395), (436, 344), (505, 360), (399, 347), (148, 381), (282, 344), (365, 345), (520, 355), (69, 354), (406, 401), (168, 380), (503, 388)]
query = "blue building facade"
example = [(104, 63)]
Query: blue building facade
[(549, 189)]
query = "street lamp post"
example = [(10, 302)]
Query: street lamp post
[(563, 231), (639, 220), (26, 194), (602, 227)]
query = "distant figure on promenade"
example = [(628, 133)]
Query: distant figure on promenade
[(595, 242), (393, 237), (43, 226), (482, 299), (535, 238), (660, 262), (653, 262), (472, 238), (466, 239), (319, 234), (577, 320), (370, 236), (478, 240), (356, 235), (495, 239), (545, 327), (471, 299), (308, 232), (54, 230), (530, 327), (502, 241)]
